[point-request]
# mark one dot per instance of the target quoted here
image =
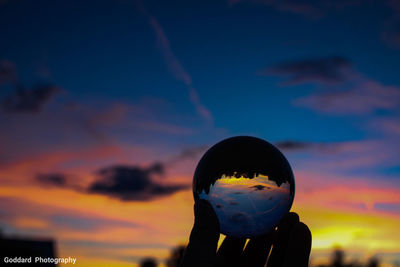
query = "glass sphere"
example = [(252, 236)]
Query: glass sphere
[(248, 182)]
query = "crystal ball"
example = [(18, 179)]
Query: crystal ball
[(248, 182)]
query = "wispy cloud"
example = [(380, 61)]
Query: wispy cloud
[(179, 72), (52, 179)]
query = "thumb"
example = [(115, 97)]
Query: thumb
[(203, 241)]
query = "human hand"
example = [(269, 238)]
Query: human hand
[(290, 242)]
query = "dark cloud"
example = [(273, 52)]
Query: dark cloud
[(53, 179), (29, 100), (126, 182), (131, 183), (258, 187), (326, 70), (294, 145), (7, 71)]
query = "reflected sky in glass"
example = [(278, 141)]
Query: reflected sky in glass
[(250, 190)]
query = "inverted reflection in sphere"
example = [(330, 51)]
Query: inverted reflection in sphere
[(248, 182)]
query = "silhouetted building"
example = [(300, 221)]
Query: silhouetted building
[(14, 248)]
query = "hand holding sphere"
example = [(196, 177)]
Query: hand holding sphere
[(243, 187)]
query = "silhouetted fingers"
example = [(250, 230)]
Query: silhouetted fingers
[(285, 227), (230, 252), (257, 250), (299, 247), (203, 241)]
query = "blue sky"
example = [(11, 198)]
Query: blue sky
[(111, 54)]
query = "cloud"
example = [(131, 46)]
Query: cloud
[(364, 157), (391, 28), (389, 125), (179, 72), (326, 70), (345, 90), (121, 121), (29, 100), (52, 179), (308, 8), (391, 31), (23, 100), (365, 96), (173, 63), (316, 9), (162, 127), (294, 145), (87, 223), (58, 180), (297, 7), (7, 71), (326, 148), (131, 183), (335, 190), (50, 218), (124, 182), (192, 153)]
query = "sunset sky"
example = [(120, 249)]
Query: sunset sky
[(106, 107)]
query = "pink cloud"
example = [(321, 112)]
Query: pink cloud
[(348, 156), (344, 192), (365, 96), (88, 127), (390, 126)]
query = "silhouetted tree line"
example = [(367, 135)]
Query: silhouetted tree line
[(174, 259), (337, 260)]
